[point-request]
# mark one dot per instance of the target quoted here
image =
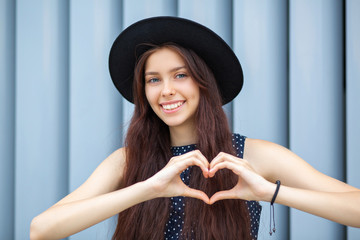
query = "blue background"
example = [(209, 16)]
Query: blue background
[(60, 115)]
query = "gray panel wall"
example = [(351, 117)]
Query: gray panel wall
[(60, 115), (94, 104), (41, 133), (7, 118), (261, 110), (353, 99), (316, 100)]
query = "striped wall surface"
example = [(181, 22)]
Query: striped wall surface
[(60, 115)]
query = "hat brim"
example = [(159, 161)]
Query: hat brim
[(159, 30)]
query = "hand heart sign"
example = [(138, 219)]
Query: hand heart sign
[(250, 185)]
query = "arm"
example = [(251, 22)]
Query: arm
[(63, 220), (341, 207), (85, 206), (316, 193), (98, 198)]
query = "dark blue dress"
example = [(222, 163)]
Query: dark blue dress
[(174, 225)]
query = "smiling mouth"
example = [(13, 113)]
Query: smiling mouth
[(172, 106)]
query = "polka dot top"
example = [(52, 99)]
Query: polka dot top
[(173, 227)]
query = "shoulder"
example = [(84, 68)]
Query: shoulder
[(257, 148), (107, 177), (264, 156), (110, 171), (275, 162), (254, 145), (117, 158), (114, 164)]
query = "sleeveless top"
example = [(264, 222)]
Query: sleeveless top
[(173, 227)]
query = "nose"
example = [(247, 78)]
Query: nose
[(168, 89)]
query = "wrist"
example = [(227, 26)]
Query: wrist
[(278, 183), (270, 192), (272, 210), (151, 189), (145, 188)]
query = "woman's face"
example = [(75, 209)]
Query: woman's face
[(171, 92)]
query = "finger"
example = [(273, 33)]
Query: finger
[(194, 193), (228, 194), (228, 165), (194, 161), (201, 157), (197, 154), (221, 157), (205, 162)]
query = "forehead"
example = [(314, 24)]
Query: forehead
[(164, 58)]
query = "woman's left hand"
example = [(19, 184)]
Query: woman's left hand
[(250, 186)]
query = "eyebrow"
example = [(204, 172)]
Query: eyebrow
[(171, 70)]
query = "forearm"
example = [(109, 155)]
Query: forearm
[(341, 207), (67, 219)]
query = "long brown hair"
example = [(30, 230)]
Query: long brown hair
[(148, 149)]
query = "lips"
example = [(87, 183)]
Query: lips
[(171, 106)]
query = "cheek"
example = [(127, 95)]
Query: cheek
[(147, 93), (195, 92), (150, 96)]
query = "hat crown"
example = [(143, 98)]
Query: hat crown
[(159, 30)]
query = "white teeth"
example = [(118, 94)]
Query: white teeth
[(172, 106)]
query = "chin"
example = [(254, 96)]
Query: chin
[(173, 123)]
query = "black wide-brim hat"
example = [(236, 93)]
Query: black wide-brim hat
[(219, 57)]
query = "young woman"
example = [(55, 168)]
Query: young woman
[(182, 174)]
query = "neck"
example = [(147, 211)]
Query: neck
[(181, 136)]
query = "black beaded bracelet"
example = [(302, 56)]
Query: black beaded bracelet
[(272, 211)]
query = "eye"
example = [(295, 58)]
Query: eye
[(153, 80), (181, 75)]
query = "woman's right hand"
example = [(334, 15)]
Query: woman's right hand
[(167, 182)]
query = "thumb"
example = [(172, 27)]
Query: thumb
[(190, 192), (228, 194)]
